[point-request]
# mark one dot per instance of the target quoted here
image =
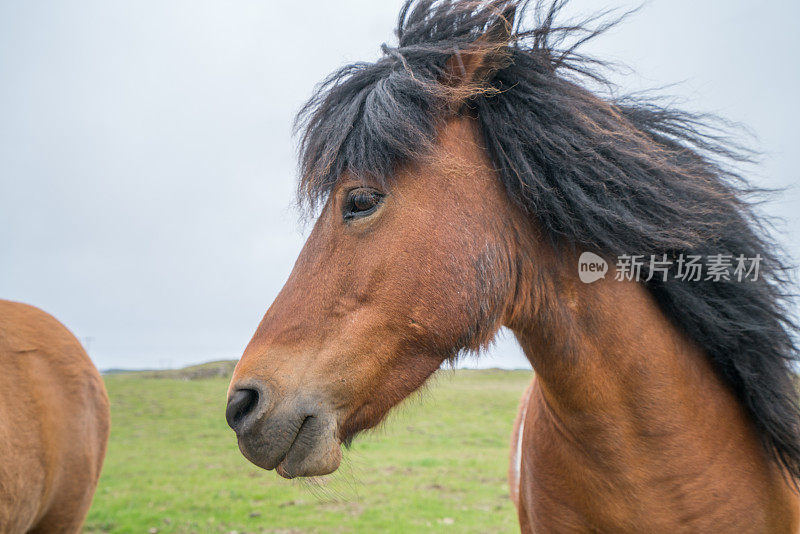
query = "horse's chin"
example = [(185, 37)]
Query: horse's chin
[(323, 459)]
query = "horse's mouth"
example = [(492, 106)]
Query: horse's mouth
[(305, 447)]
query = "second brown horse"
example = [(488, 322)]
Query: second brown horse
[(54, 424)]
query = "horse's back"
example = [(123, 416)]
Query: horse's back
[(54, 423)]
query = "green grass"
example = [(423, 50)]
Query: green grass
[(438, 464)]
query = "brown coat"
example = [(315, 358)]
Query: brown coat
[(54, 424)]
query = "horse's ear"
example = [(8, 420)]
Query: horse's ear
[(472, 66)]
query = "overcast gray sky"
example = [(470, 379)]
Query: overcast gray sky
[(147, 167)]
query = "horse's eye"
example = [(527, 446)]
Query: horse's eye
[(361, 202)]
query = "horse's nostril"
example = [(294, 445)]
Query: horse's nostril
[(240, 405)]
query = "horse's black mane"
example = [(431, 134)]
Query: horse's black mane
[(615, 175)]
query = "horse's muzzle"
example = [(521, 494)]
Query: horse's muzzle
[(297, 436)]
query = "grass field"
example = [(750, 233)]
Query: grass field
[(437, 465)]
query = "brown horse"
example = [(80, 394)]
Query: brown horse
[(461, 177), (54, 424)]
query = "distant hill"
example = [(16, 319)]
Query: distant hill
[(222, 368)]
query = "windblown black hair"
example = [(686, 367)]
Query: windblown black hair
[(616, 175)]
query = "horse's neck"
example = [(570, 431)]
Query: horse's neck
[(629, 418)]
